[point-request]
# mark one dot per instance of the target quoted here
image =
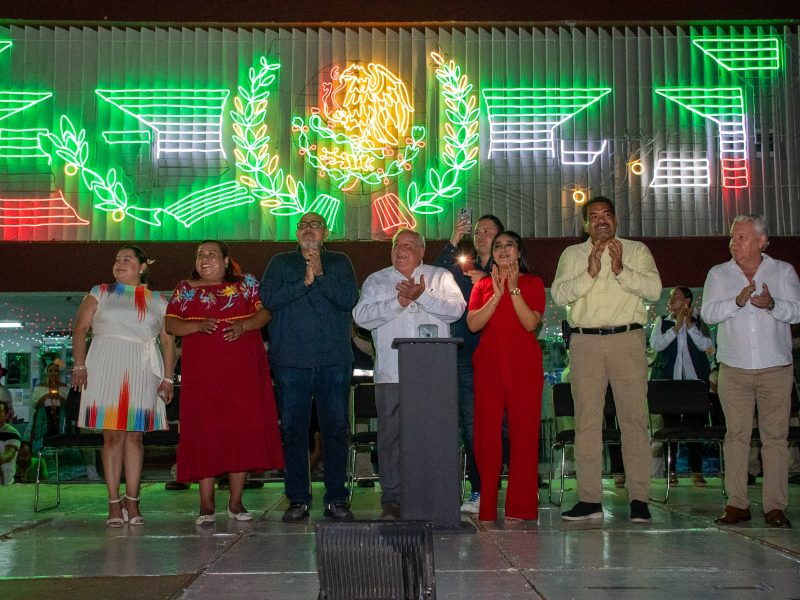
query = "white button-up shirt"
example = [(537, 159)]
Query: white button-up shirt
[(750, 337), (684, 368), (379, 311)]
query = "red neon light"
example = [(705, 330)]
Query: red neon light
[(391, 214), (38, 212), (735, 173)]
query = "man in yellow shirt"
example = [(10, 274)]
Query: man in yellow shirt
[(603, 283)]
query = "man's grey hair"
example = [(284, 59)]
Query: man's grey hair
[(758, 222), (417, 234)]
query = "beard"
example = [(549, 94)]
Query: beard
[(310, 245)]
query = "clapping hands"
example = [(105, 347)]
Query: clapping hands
[(408, 291)]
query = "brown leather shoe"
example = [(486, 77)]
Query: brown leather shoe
[(733, 515), (776, 518)]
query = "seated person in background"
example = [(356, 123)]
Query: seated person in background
[(9, 445), (26, 465), (5, 395), (682, 343), (49, 406)]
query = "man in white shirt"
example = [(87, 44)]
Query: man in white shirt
[(754, 298), (395, 302)]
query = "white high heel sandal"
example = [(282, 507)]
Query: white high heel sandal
[(116, 521), (138, 520)]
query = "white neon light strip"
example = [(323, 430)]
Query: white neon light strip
[(523, 119), (185, 121), (681, 173), (581, 157)]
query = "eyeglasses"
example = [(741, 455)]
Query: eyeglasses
[(311, 224)]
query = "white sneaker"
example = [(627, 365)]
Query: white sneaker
[(473, 504)]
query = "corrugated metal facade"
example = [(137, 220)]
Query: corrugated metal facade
[(546, 97)]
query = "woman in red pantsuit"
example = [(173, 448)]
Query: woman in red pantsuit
[(507, 308)]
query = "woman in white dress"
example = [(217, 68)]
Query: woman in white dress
[(125, 380)]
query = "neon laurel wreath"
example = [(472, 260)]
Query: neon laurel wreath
[(73, 148), (461, 136), (261, 179)]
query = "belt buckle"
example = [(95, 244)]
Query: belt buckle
[(605, 330)]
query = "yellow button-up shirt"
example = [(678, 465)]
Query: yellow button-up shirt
[(606, 300)]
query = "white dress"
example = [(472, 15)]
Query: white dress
[(124, 365)]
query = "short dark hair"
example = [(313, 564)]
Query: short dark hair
[(497, 222), (687, 293), (233, 272), (141, 256), (523, 264), (595, 200)]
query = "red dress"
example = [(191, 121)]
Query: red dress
[(228, 416), (508, 376)]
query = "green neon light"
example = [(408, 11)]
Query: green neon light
[(5, 45), (127, 137), (259, 170), (71, 146), (202, 203), (725, 107), (461, 138), (22, 143), (13, 102), (742, 54), (185, 121), (524, 119)]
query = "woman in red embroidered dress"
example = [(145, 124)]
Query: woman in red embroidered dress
[(123, 377), (229, 420)]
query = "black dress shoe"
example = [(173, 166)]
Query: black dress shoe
[(297, 511), (777, 518), (640, 513), (338, 511)]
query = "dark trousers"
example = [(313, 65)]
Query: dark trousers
[(330, 386)]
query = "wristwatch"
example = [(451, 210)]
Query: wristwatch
[(515, 292)]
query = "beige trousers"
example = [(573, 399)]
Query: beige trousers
[(740, 392), (596, 361)]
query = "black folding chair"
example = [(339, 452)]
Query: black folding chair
[(676, 397), (564, 406), (362, 409)]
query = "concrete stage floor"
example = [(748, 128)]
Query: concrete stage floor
[(68, 553)]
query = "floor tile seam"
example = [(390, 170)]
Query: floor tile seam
[(497, 570), (795, 554), (245, 573), (666, 570)]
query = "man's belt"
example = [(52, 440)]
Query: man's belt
[(607, 330)]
